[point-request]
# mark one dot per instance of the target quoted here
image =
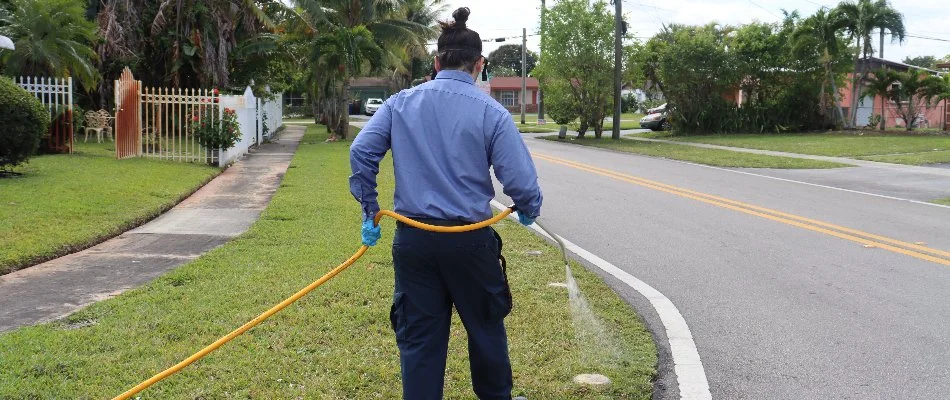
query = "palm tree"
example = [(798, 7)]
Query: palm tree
[(424, 13), (352, 50), (820, 31), (52, 38), (879, 84), (910, 91), (183, 42), (355, 37), (859, 20)]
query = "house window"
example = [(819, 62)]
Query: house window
[(508, 98)]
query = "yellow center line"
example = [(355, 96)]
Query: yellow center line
[(766, 210), (774, 215)]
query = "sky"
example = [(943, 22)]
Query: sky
[(505, 18)]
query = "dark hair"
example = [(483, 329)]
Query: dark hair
[(459, 47)]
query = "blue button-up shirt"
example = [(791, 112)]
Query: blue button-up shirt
[(444, 135)]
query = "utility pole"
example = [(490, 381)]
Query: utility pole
[(524, 73), (540, 92), (618, 55)]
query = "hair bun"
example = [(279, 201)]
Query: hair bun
[(461, 17)]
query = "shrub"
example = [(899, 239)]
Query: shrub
[(562, 110), (628, 103), (216, 133), (23, 119)]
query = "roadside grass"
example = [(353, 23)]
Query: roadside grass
[(627, 121), (837, 144), (64, 203), (714, 157), (528, 128), (945, 202), (922, 158), (336, 342)]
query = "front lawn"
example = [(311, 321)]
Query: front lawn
[(922, 158), (627, 121), (529, 128), (714, 157), (64, 203), (901, 148), (336, 343)]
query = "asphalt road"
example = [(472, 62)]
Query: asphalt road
[(791, 291)]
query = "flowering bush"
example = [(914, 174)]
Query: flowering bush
[(216, 133)]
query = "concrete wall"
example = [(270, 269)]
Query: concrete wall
[(250, 111)]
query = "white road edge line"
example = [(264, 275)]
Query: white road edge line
[(690, 375), (884, 196)]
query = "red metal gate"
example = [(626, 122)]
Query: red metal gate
[(128, 117)]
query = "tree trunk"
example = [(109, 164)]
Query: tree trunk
[(344, 126), (883, 104), (315, 107), (834, 88), (582, 129), (855, 81)]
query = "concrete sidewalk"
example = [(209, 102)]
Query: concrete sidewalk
[(224, 208)]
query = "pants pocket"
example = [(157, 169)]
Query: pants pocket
[(499, 304), (396, 313)]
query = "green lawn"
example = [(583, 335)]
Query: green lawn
[(627, 121), (336, 342), (899, 148), (63, 203), (714, 157), (530, 128), (943, 201), (922, 158)]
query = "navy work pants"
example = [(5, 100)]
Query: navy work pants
[(433, 272)]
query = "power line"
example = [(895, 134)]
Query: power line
[(766, 9), (499, 40), (928, 38)]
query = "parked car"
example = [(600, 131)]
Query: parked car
[(656, 119), (372, 105), (657, 109)]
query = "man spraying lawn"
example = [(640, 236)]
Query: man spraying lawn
[(444, 136)]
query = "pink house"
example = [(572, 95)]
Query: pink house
[(933, 117), (507, 90)]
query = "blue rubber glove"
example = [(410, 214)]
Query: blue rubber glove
[(525, 220), (370, 232)]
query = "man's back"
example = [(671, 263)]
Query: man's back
[(444, 136)]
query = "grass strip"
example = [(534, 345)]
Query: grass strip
[(924, 158), (535, 129), (335, 343), (714, 157), (826, 144), (63, 203), (945, 202)]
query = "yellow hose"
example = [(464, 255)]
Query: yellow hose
[(303, 292)]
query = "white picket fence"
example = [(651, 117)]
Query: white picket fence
[(155, 122), (56, 94), (273, 113)]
